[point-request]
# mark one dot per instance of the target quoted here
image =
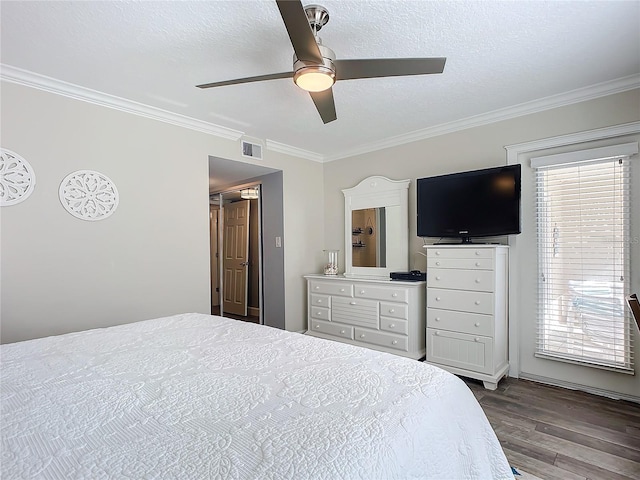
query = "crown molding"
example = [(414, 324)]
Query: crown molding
[(296, 152), (574, 96), (19, 76)]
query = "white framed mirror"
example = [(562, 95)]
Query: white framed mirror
[(376, 222)]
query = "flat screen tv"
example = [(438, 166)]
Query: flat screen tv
[(480, 203)]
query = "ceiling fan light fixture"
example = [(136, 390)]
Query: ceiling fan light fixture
[(314, 78)]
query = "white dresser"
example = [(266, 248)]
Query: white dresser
[(380, 314), (467, 310)]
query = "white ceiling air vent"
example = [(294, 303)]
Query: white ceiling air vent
[(252, 150)]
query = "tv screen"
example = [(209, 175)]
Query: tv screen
[(481, 203)]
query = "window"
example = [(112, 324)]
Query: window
[(582, 212)]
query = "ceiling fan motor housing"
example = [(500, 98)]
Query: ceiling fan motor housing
[(301, 67)]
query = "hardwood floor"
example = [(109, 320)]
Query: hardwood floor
[(555, 433), (215, 310)]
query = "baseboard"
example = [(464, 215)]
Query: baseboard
[(575, 386), (253, 311)]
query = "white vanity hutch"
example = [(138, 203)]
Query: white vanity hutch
[(363, 306)]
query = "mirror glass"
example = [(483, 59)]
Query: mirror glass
[(369, 237), (376, 227)]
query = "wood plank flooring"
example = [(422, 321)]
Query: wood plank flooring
[(215, 310), (556, 433)]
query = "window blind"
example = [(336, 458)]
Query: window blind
[(583, 235)]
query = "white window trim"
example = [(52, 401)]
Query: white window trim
[(513, 157), (599, 154)]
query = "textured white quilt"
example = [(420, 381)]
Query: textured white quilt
[(196, 396)]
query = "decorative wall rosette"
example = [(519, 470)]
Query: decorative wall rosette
[(17, 178), (88, 195)]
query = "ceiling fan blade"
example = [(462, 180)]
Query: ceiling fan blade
[(297, 24), (259, 78), (387, 67), (325, 104)]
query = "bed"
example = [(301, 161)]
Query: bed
[(197, 396)]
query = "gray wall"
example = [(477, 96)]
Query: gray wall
[(151, 257), (273, 300), (482, 147)]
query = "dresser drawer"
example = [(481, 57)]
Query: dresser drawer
[(470, 352), (331, 288), (395, 310), (320, 313), (355, 311), (474, 302), (475, 280), (394, 294), (389, 340), (342, 331), (394, 325), (320, 301), (464, 263), (434, 252), (463, 322)]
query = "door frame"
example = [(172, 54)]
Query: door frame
[(214, 225), (235, 190)]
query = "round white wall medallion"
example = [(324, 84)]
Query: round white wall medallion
[(17, 178), (88, 195)]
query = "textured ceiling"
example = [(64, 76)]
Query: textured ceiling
[(499, 54)]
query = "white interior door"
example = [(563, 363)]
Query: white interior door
[(235, 257)]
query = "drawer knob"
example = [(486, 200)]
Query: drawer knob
[(477, 280), (477, 324), (438, 278), (394, 295), (392, 310), (361, 292), (437, 319), (319, 301), (319, 313), (362, 336), (342, 289), (437, 252), (437, 299), (477, 302), (317, 326), (438, 263), (477, 264), (352, 303), (477, 252), (437, 334), (342, 332), (393, 325), (395, 342), (476, 339), (317, 287)]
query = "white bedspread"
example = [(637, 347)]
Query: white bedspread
[(195, 396)]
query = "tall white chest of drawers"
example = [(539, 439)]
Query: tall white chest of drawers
[(379, 314), (467, 310)]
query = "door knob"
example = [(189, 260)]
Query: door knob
[(244, 264)]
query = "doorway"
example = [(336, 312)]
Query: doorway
[(236, 256), (226, 176)]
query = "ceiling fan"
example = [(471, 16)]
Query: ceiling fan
[(315, 68)]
